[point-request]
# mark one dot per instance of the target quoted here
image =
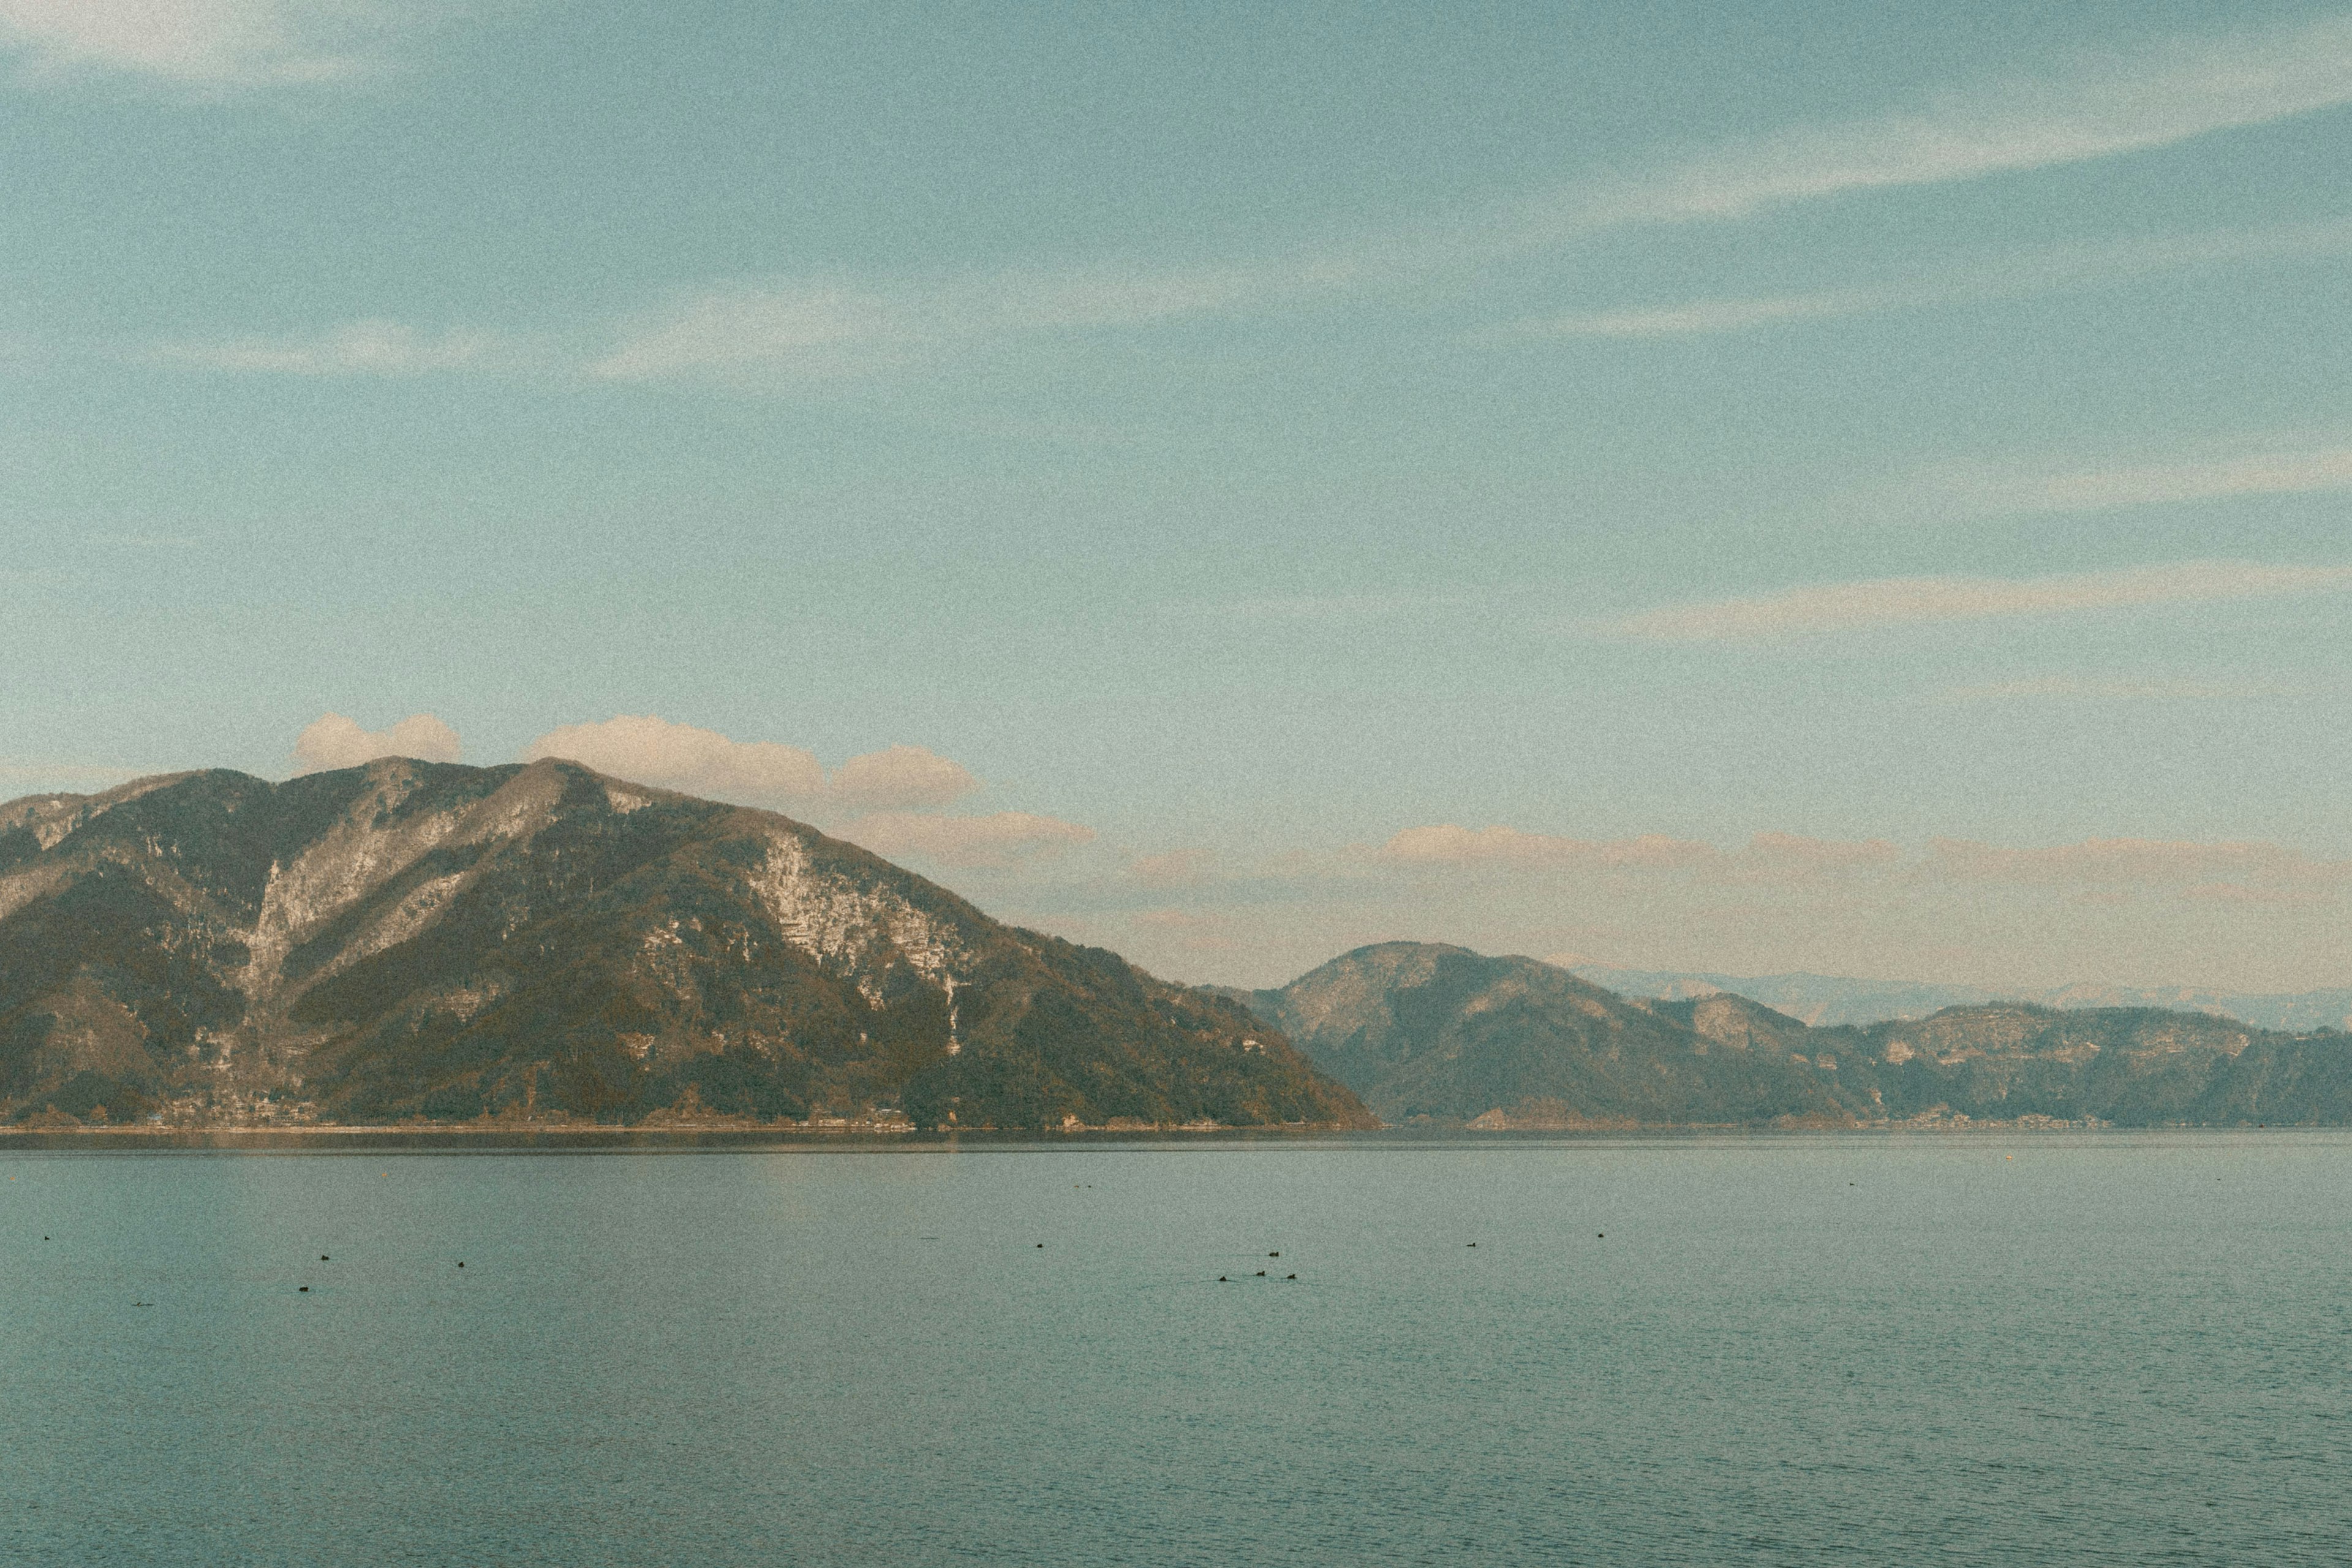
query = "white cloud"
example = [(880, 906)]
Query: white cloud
[(2305, 471), (1001, 842), (808, 327), (1900, 601), (898, 778), (332, 741), (358, 348), (1768, 857), (1447, 845), (2003, 277), (759, 330), (2156, 98), (647, 750), (212, 44), (1706, 316)]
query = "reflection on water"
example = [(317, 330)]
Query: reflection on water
[(1970, 1350)]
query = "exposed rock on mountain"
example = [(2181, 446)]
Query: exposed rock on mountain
[(416, 940), (1445, 1034)]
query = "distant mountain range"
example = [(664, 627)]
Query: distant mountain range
[(1430, 1034), (534, 944), (1830, 999)]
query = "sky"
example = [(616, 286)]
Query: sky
[(1815, 485)]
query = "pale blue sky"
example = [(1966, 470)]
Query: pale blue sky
[(1250, 431)]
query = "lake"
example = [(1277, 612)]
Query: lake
[(2088, 1348)]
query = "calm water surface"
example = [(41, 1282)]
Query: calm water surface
[(2082, 1349)]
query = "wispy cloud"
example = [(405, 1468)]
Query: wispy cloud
[(823, 328), (2006, 278), (812, 327), (212, 44), (358, 348), (2154, 98), (2082, 689), (2305, 471), (764, 331), (1898, 601), (1447, 845)]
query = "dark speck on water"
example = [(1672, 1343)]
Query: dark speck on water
[(1990, 1364)]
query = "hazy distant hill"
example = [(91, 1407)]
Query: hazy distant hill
[(417, 939), (1441, 1033), (1831, 999)]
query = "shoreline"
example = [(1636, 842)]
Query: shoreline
[(589, 1140)]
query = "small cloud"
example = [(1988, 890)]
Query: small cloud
[(1900, 601), (217, 45), (647, 750), (360, 348), (2307, 471), (1703, 316), (2010, 277), (332, 741), (899, 778), (1001, 842), (814, 328), (1447, 845), (2108, 106)]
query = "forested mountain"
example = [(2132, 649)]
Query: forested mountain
[(1423, 1031), (409, 940)]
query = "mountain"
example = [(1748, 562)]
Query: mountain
[(409, 940), (1835, 999), (1445, 1035), (1426, 1032)]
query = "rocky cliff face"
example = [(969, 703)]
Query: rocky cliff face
[(412, 940), (1441, 1033)]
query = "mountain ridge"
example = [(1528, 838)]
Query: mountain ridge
[(1824, 999), (1430, 1033)]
